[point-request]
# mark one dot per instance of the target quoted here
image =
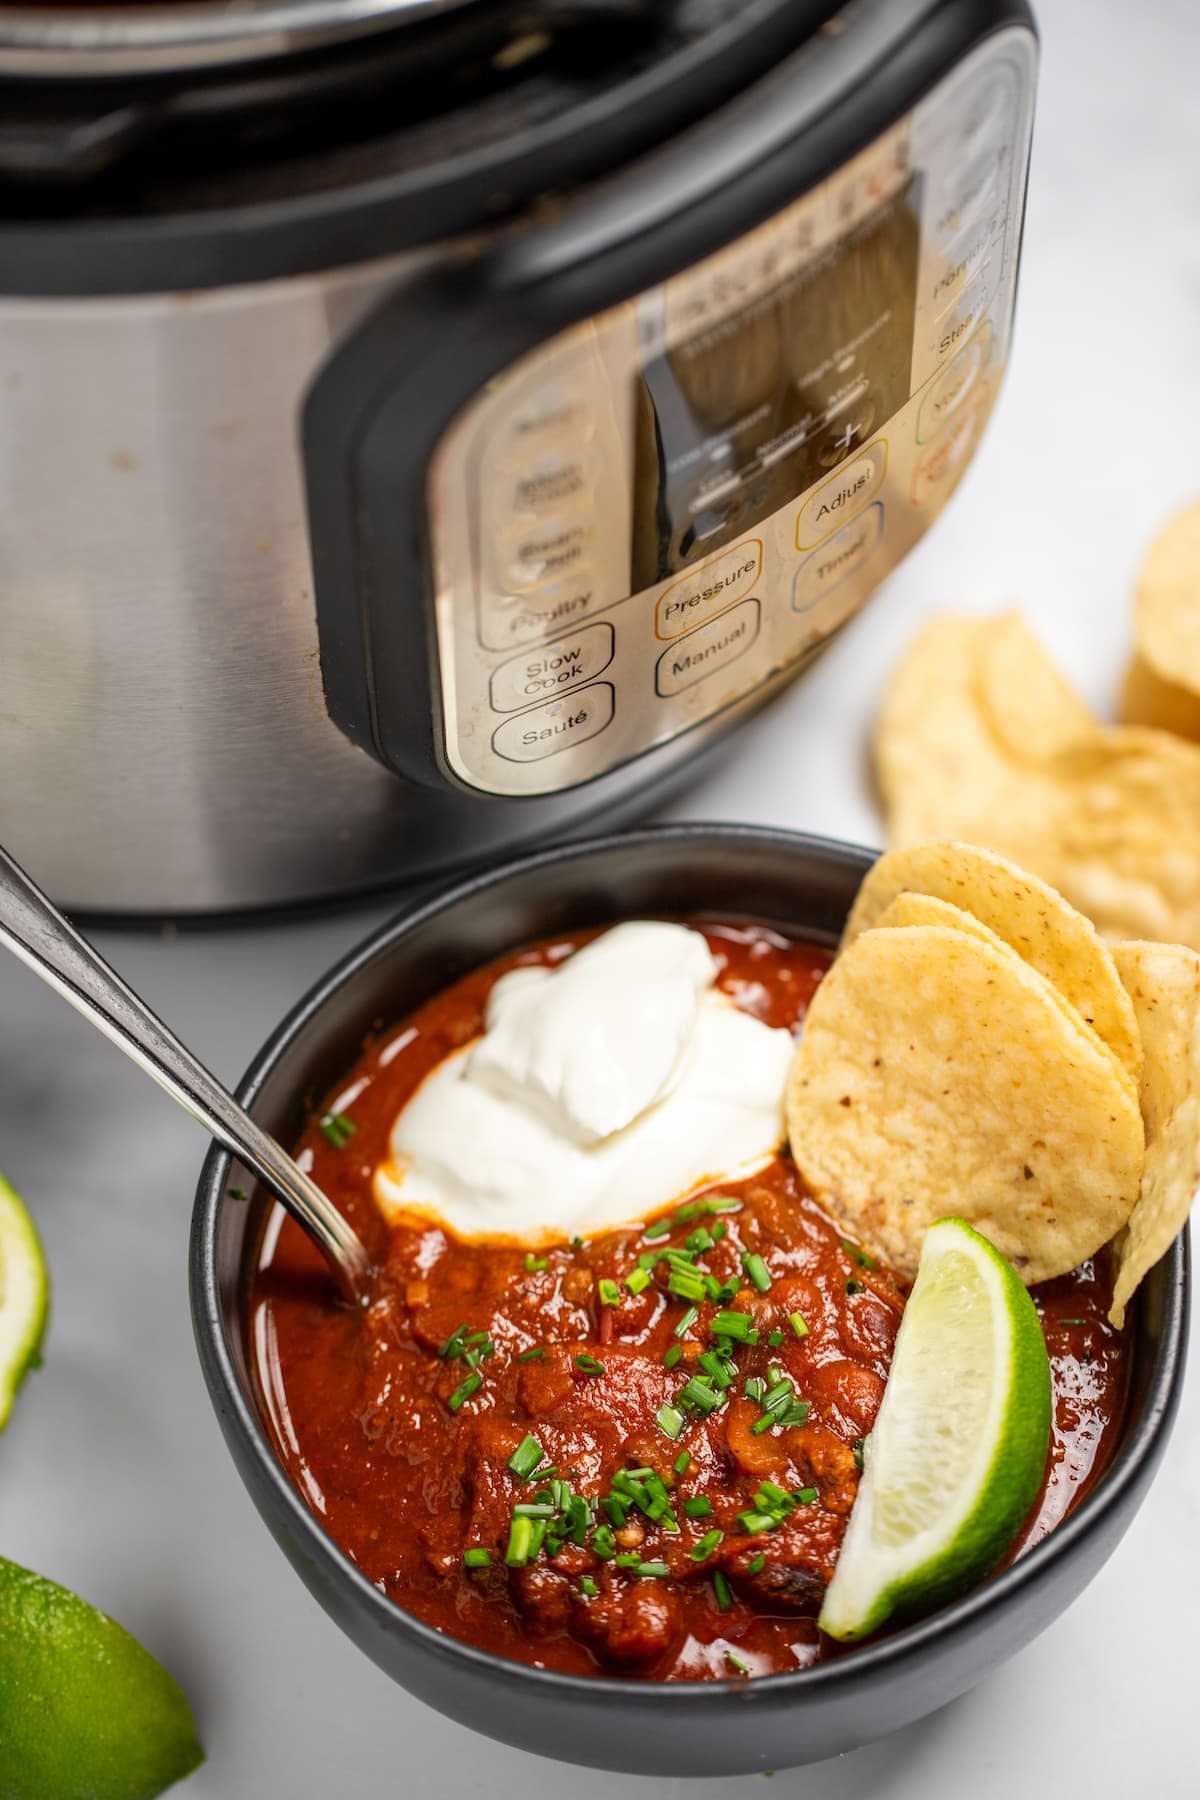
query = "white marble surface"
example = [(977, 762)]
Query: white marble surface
[(113, 1477)]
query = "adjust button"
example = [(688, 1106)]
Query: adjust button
[(559, 725), (714, 646), (567, 663), (843, 495)]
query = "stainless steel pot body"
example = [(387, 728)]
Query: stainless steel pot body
[(165, 746)]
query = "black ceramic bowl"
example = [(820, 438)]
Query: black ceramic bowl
[(803, 885)]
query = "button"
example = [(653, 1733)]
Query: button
[(559, 725), (964, 258), (969, 193), (838, 557), (845, 493), (951, 388), (512, 619), (713, 647), (987, 114), (568, 662), (942, 461), (557, 479), (552, 411), (968, 311), (708, 589), (534, 556)]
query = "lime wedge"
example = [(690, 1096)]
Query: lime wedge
[(959, 1448), (24, 1297), (85, 1712)]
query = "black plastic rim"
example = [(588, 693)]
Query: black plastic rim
[(675, 1701)]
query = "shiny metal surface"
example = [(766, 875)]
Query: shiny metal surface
[(654, 513), (46, 943), (118, 40), (164, 742)]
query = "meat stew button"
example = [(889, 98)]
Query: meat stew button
[(559, 725)]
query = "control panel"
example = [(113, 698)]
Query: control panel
[(658, 512)]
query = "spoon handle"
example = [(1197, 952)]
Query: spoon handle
[(39, 935)]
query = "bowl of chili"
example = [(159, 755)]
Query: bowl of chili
[(629, 1668)]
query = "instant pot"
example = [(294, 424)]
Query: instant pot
[(426, 427)]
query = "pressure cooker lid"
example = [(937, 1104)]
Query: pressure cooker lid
[(153, 36)]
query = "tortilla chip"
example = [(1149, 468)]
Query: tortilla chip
[(1146, 699), (937, 1074), (1164, 981), (1167, 608), (1027, 915), (1030, 707)]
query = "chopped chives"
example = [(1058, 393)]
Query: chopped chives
[(756, 1271), (535, 1264), (688, 1320), (860, 1256), (526, 1457), (672, 1356), (658, 1229), (857, 1448), (453, 1345), (577, 1243), (637, 1280), (805, 1496), (669, 1419), (755, 1388), (853, 1286), (693, 1209), (464, 1390), (649, 1259), (587, 1587), (796, 1414), (721, 1590), (534, 1509), (798, 1324), (698, 1508), (687, 1284), (655, 1570), (337, 1129), (603, 1542), (477, 1558), (774, 1339), (776, 1395), (719, 1369), (533, 1355), (703, 1549), (737, 1325), (736, 1662), (723, 1203), (628, 1559), (753, 1522), (609, 1292), (618, 1512), (755, 1565), (701, 1239), (589, 1365), (763, 1424), (697, 1392), (682, 1462), (520, 1543)]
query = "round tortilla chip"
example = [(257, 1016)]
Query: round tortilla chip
[(936, 1075), (1032, 709), (1167, 608), (1164, 982), (1028, 915)]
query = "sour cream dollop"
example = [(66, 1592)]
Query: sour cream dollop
[(601, 1091)]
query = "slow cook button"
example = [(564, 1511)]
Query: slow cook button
[(556, 668), (559, 725), (708, 589), (855, 484), (713, 646), (837, 558)]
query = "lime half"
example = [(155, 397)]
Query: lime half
[(85, 1712), (24, 1297), (959, 1448)]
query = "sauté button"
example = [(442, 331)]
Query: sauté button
[(559, 725)]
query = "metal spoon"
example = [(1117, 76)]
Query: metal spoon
[(37, 933)]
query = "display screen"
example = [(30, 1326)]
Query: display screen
[(738, 418)]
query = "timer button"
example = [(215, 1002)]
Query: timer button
[(837, 559), (557, 726)]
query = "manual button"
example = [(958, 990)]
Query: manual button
[(556, 668), (712, 647), (559, 725)]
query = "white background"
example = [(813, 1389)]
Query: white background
[(113, 1477)]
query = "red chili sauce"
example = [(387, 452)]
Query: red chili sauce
[(646, 1554)]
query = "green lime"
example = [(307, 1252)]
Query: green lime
[(24, 1297), (85, 1712), (959, 1448)]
